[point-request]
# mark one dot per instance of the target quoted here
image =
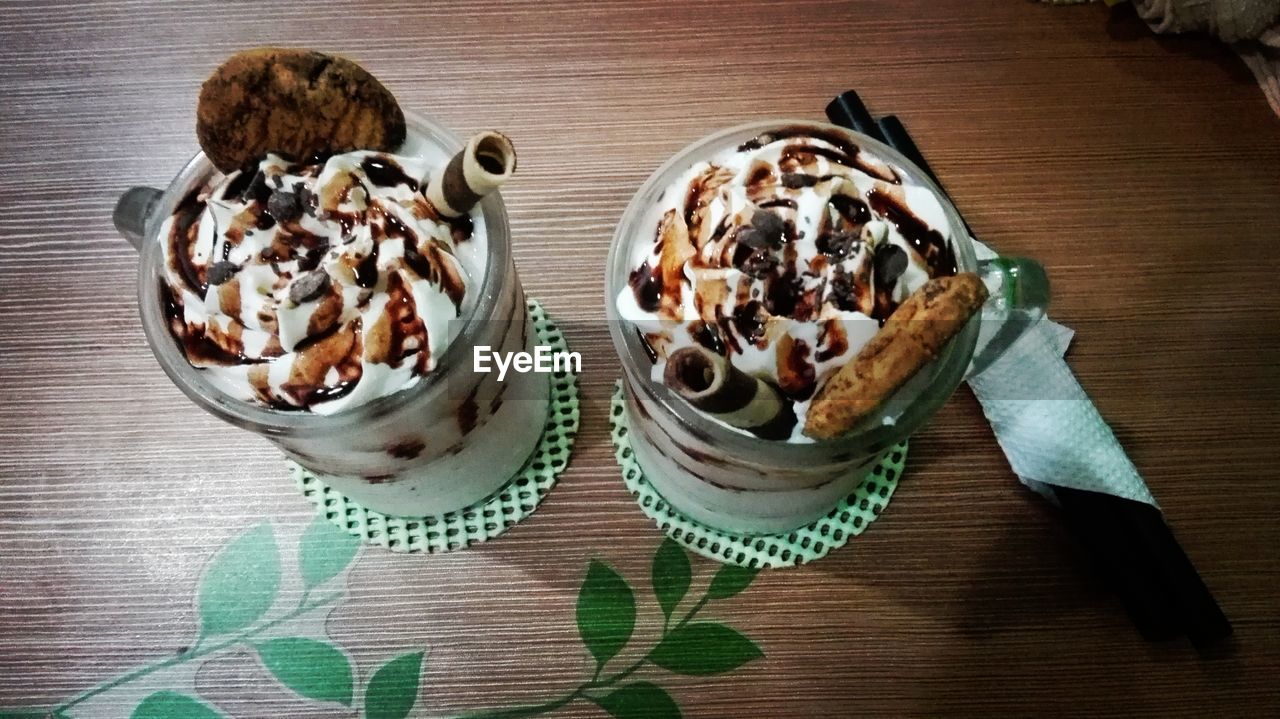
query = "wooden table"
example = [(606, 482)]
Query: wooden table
[(1143, 172)]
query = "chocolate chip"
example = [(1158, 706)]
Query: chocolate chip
[(796, 180), (308, 287), (770, 224), (310, 200), (839, 245), (285, 206), (889, 263), (220, 272), (759, 264), (265, 221), (752, 238)]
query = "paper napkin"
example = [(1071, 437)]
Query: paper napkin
[(1045, 423)]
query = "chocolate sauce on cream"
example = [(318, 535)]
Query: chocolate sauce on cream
[(846, 150), (181, 238), (385, 172), (927, 242), (301, 274), (194, 342), (779, 202), (707, 335), (834, 341), (646, 283), (795, 242), (749, 321), (802, 377), (367, 271)]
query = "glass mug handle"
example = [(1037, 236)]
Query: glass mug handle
[(1019, 299), (131, 213)]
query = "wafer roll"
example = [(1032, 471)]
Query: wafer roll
[(480, 168), (913, 335), (713, 385)]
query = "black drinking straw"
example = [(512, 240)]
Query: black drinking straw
[(1129, 542), (847, 110)]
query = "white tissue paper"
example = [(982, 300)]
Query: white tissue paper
[(1045, 423)]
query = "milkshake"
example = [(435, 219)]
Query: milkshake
[(747, 279), (329, 302)]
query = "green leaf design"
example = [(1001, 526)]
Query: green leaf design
[(314, 669), (703, 648), (241, 582), (324, 551), (172, 705), (730, 580), (393, 689), (606, 612), (671, 575), (641, 700)]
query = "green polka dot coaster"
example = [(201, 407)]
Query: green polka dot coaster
[(483, 520), (848, 519)]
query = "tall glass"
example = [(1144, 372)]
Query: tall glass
[(731, 480), (446, 442)]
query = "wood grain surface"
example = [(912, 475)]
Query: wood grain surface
[(1144, 172)]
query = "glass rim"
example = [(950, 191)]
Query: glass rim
[(948, 368), (268, 421)]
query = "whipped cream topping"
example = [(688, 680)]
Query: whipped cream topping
[(785, 254), (318, 285)]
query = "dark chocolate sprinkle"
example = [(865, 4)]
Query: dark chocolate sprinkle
[(308, 287), (839, 245), (220, 272), (796, 180), (310, 200), (842, 291), (285, 206), (756, 142)]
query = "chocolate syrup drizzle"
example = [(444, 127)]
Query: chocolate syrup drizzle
[(385, 172), (846, 152), (782, 290), (928, 243), (204, 346)]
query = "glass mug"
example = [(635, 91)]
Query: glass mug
[(728, 479), (449, 440)]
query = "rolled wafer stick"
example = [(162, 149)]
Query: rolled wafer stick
[(913, 335), (713, 385), (481, 167)]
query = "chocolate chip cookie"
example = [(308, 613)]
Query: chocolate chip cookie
[(295, 102)]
